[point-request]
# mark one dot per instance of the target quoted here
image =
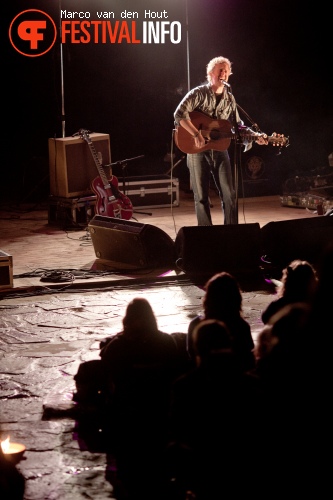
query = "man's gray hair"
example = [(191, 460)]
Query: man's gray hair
[(213, 62)]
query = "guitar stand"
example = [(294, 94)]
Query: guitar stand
[(123, 165)]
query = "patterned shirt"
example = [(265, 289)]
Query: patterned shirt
[(203, 98)]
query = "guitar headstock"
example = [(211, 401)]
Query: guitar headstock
[(278, 140), (84, 134)]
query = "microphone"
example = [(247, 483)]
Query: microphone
[(225, 83)]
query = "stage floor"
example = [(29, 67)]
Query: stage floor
[(34, 244)]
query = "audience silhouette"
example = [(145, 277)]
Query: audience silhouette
[(140, 365), (214, 412), (292, 362), (298, 284), (239, 420), (223, 301), (287, 370), (322, 300)]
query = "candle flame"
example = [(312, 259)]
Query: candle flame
[(5, 445)]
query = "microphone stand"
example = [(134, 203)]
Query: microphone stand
[(236, 149), (174, 166), (254, 125), (123, 165)]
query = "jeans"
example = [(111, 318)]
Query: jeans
[(201, 166)]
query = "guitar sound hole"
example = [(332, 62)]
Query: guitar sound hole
[(214, 134)]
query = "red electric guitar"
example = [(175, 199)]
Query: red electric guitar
[(110, 201)]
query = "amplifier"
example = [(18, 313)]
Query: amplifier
[(72, 166)]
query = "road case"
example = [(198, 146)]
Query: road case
[(151, 191), (71, 211), (6, 270)]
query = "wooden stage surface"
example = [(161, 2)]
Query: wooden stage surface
[(34, 243)]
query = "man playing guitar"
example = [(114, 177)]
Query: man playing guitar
[(215, 101)]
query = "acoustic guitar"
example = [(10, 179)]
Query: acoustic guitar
[(110, 201), (218, 134)]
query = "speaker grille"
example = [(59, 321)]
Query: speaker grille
[(306, 239), (234, 248)]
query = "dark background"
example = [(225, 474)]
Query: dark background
[(282, 77)]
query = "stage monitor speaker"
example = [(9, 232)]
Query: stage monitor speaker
[(72, 166), (305, 239), (131, 245), (234, 248)]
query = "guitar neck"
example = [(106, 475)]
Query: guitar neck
[(250, 135), (98, 164)]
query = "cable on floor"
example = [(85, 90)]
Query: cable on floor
[(57, 277)]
